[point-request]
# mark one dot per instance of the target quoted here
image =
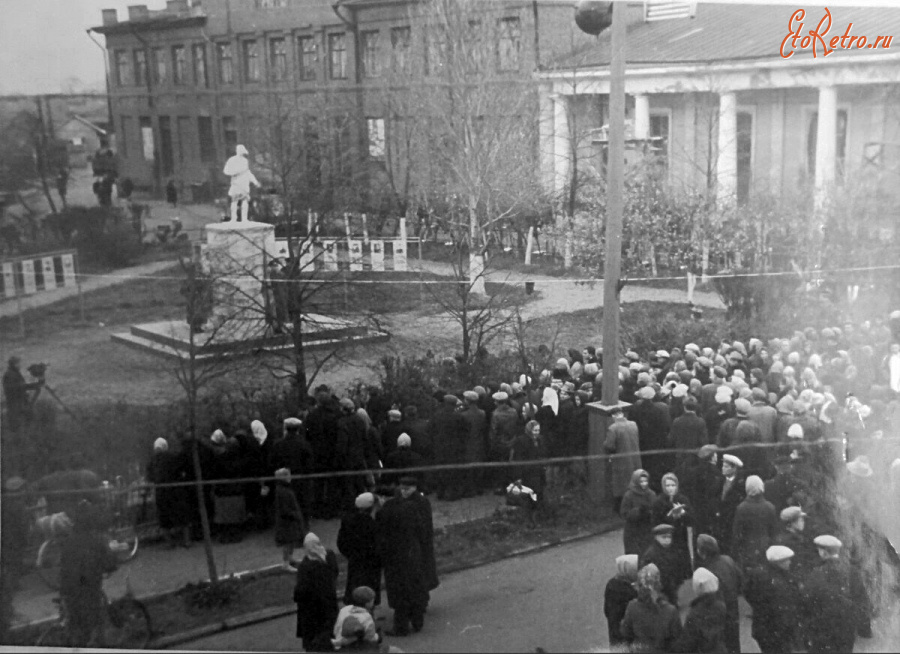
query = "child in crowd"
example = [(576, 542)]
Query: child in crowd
[(289, 523), (354, 628)]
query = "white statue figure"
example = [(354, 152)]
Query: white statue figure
[(238, 168)]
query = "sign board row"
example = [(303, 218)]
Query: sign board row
[(32, 275), (357, 254)]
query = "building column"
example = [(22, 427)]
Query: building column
[(726, 162), (826, 141), (641, 116), (562, 147), (545, 129)]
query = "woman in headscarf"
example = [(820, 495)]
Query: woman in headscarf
[(260, 495), (651, 623), (620, 590), (357, 541), (636, 511), (672, 507), (173, 503), (530, 446), (755, 526), (316, 595), (548, 417)]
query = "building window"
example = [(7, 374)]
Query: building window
[(509, 44), (229, 134), (125, 127), (840, 146), (200, 77), (147, 145), (140, 67), (226, 63), (182, 138), (370, 54), (278, 59), (659, 131), (376, 138), (270, 4), (207, 139), (158, 63), (251, 61), (179, 65), (165, 146), (744, 156), (337, 56), (343, 150), (400, 49), (435, 52), (123, 70), (309, 57)]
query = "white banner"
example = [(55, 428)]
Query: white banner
[(28, 283), (9, 280), (356, 255), (49, 273), (68, 262), (378, 256), (330, 255), (400, 255)]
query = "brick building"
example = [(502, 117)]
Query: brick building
[(191, 81)]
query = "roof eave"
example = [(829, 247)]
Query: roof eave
[(150, 25)]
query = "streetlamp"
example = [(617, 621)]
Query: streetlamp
[(593, 17)]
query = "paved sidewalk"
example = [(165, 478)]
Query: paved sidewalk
[(158, 569)]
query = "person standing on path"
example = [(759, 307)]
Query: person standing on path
[(357, 541), (651, 623), (620, 590), (730, 583), (290, 526), (316, 595), (636, 510), (622, 441)]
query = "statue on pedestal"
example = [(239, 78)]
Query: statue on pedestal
[(238, 168)]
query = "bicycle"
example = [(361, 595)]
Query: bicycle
[(121, 531), (126, 625)]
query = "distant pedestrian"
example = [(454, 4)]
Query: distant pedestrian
[(704, 628), (651, 623), (172, 193), (316, 595), (357, 541), (620, 590), (173, 503), (290, 525), (636, 511), (62, 184)]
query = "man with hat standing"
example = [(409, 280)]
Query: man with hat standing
[(688, 432), (836, 599), (709, 391), (15, 391), (652, 420), (449, 430), (293, 451), (719, 412), (622, 441), (781, 490), (667, 559), (408, 490), (703, 485), (505, 426), (391, 431), (793, 523), (351, 451), (401, 458), (474, 449), (357, 541), (775, 600), (731, 495)]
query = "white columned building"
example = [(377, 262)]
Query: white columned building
[(726, 152)]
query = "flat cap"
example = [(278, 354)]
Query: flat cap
[(365, 501), (828, 542), (719, 371), (635, 366), (663, 528), (471, 396), (693, 347), (646, 393), (707, 451), (395, 413), (742, 406), (680, 390), (568, 387), (409, 480), (632, 355), (500, 396), (733, 460), (347, 403), (706, 362), (662, 354), (778, 553), (791, 513), (452, 400), (293, 423)]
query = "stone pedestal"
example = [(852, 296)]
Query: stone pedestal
[(235, 259), (599, 420)]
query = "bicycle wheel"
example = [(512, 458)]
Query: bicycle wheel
[(54, 636), (124, 542), (48, 562), (129, 624)]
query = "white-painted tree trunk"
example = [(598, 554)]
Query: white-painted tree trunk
[(567, 256), (529, 245)]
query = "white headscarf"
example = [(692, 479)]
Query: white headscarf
[(551, 399), (259, 431), (160, 445), (314, 548)]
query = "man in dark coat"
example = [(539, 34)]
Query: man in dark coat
[(730, 582), (315, 594), (782, 488), (401, 458), (703, 485), (732, 493), (15, 391), (400, 532), (835, 596), (653, 430), (623, 441), (505, 427), (747, 441), (667, 559), (805, 558), (409, 491), (294, 452), (85, 558), (350, 452), (357, 541), (321, 428), (474, 450), (718, 414), (449, 430), (417, 428), (688, 433), (755, 525), (775, 600), (704, 627)]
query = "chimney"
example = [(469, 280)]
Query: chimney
[(110, 17), (176, 7), (138, 12)]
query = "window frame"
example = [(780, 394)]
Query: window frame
[(371, 64), (333, 39), (158, 68), (380, 140), (122, 67), (250, 66), (400, 56), (502, 32), (222, 48), (307, 73), (140, 63), (179, 68), (201, 48), (278, 61)]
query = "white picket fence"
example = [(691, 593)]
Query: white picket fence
[(36, 273)]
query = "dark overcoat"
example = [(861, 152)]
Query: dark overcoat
[(774, 598), (423, 506), (636, 511), (619, 592), (290, 525), (726, 505), (651, 627), (754, 529), (173, 503), (703, 486), (671, 568), (730, 585), (357, 541), (704, 628), (653, 431), (400, 537), (316, 597)]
